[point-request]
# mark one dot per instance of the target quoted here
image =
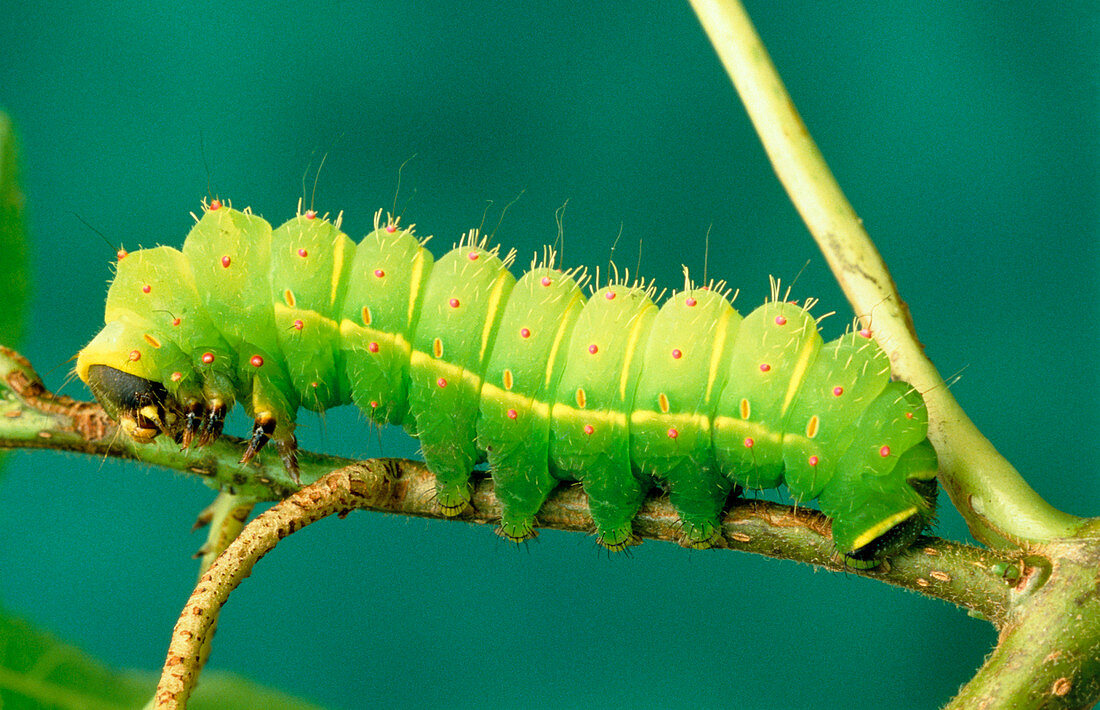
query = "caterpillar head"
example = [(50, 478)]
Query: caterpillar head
[(126, 382)]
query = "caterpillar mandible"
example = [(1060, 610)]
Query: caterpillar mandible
[(529, 374)]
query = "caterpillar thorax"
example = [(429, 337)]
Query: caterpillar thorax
[(547, 384)]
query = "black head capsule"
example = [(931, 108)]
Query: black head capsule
[(141, 406)]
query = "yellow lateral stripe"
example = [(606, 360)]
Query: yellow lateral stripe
[(518, 401), (337, 267), (882, 526), (562, 412), (642, 417), (490, 317), (755, 429), (453, 372)]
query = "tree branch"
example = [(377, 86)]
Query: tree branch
[(32, 417), (1001, 509)]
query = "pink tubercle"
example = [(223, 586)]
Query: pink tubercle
[(208, 358), (474, 256), (546, 281), (215, 205), (780, 320), (391, 228), (135, 355), (453, 302), (749, 442), (146, 288), (524, 333), (303, 253), (588, 428), (379, 273), (226, 261), (373, 347), (310, 214), (838, 391), (610, 295), (593, 349), (512, 414), (672, 433), (256, 361), (690, 302), (299, 324), (676, 354), (884, 451), (176, 376), (813, 460), (441, 382), (865, 332), (764, 367)]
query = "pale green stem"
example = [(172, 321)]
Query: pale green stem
[(998, 505)]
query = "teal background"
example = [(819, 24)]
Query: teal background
[(964, 133)]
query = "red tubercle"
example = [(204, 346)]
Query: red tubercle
[(391, 228), (524, 333), (593, 349), (226, 261), (176, 376), (256, 361), (588, 429), (884, 451), (175, 321), (676, 354), (838, 391), (908, 415), (764, 367), (546, 281), (813, 460), (303, 253), (690, 302), (215, 205), (373, 404), (672, 433), (865, 332), (122, 254), (780, 320), (441, 382), (299, 324), (749, 442), (512, 414), (379, 273), (146, 288), (453, 303), (373, 347), (310, 214), (135, 355), (207, 358), (474, 256), (314, 385), (610, 295)]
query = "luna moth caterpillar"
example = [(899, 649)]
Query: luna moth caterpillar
[(544, 383)]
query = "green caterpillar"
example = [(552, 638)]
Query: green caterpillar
[(611, 391)]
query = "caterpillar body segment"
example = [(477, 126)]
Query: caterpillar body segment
[(611, 391)]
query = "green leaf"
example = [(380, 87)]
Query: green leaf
[(14, 279), (37, 671)]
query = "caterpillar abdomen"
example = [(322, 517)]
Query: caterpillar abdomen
[(611, 391)]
